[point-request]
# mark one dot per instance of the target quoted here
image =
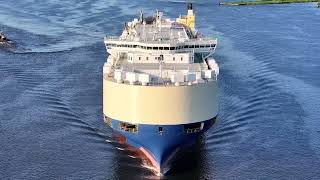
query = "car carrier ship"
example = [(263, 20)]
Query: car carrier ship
[(160, 89)]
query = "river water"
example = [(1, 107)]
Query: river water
[(51, 123)]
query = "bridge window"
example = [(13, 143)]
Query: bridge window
[(139, 58), (173, 58), (133, 128), (155, 48), (134, 46), (147, 58), (166, 48), (193, 128), (181, 58), (171, 48), (161, 48), (111, 45), (149, 47)]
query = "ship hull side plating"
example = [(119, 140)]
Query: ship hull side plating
[(161, 148), (151, 107), (160, 105)]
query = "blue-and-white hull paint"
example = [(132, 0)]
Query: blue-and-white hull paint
[(160, 148), (137, 112)]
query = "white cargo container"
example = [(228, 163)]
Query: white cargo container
[(132, 77), (118, 76), (107, 68), (191, 76), (213, 65), (144, 79), (177, 77), (208, 74)]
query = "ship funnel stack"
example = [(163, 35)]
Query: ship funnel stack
[(189, 19), (190, 10), (189, 6)]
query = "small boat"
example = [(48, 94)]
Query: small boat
[(4, 41)]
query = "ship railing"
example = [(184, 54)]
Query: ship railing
[(164, 41), (164, 82)]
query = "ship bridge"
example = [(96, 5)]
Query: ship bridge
[(174, 46)]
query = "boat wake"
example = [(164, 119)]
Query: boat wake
[(51, 27)]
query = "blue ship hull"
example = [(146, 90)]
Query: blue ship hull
[(161, 143)]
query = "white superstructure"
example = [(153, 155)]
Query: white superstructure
[(155, 51)]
